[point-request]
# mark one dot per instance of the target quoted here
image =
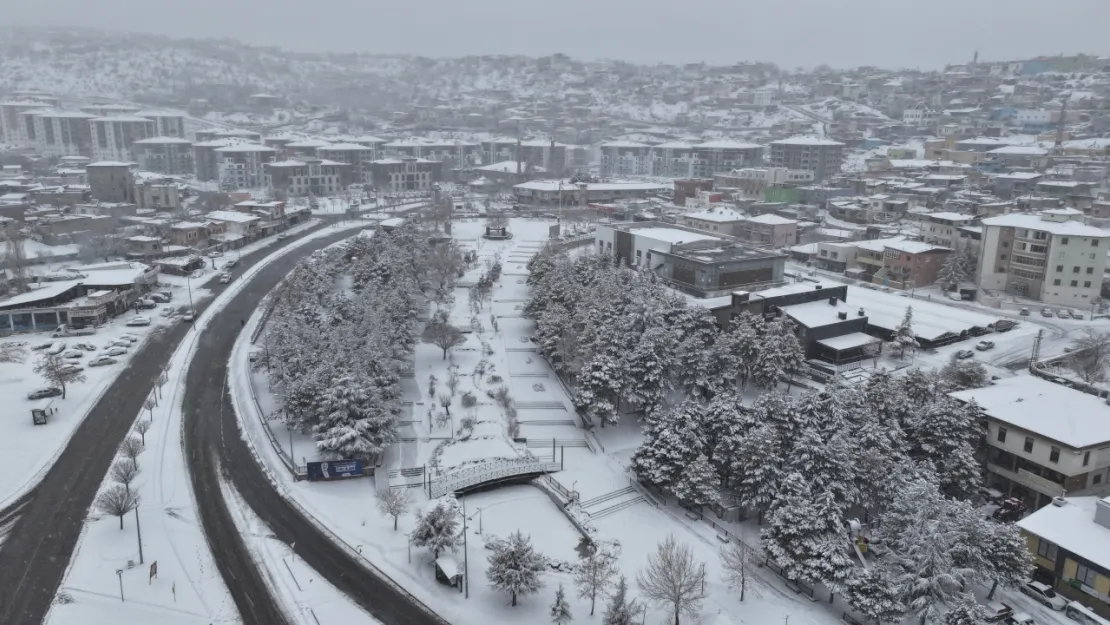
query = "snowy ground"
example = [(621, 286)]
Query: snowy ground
[(348, 508), (188, 590)]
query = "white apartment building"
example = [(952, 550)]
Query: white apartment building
[(625, 158), (943, 228), (241, 166), (166, 123), (63, 133), (920, 116), (1043, 439), (1051, 256), (112, 137)]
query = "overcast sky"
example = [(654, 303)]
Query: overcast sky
[(889, 33)]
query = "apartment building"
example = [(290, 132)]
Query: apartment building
[(111, 181), (768, 230), (397, 175), (12, 129), (944, 228), (752, 181), (821, 156), (166, 123), (227, 133), (62, 133), (1070, 545), (304, 176), (1052, 256), (164, 155), (1043, 440), (241, 166), (673, 159), (114, 136), (625, 158), (356, 155), (721, 220), (720, 155), (549, 155), (898, 263)]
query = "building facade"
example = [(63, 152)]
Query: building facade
[(164, 155), (821, 156), (241, 166), (397, 175), (114, 136), (63, 133), (625, 158), (305, 176)]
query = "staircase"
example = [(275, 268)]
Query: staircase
[(611, 503)]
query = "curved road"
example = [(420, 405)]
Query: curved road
[(46, 522), (214, 449)]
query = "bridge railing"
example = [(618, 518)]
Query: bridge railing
[(487, 472)]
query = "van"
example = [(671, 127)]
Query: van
[(64, 331)]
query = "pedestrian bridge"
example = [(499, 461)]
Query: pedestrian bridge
[(489, 473)]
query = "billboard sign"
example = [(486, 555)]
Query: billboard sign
[(334, 470)]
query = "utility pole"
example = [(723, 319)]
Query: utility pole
[(139, 530), (466, 562)]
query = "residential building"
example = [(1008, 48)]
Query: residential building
[(684, 189), (111, 181), (920, 116), (943, 228), (625, 158), (1070, 545), (397, 175), (1052, 256), (189, 234), (63, 133), (1016, 183), (838, 257), (720, 155), (753, 181), (113, 136), (721, 220), (205, 158), (1043, 439), (899, 263), (357, 156), (164, 155), (241, 166), (768, 230), (304, 176), (549, 155), (566, 193), (673, 159), (12, 130), (239, 134), (821, 156), (158, 194), (111, 110), (26, 120), (238, 223), (166, 123)]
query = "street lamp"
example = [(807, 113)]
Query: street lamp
[(119, 574)]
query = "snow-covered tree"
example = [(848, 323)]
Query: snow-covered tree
[(596, 571), (875, 595), (117, 501), (958, 375), (904, 336), (673, 580), (58, 372), (739, 563), (622, 610), (437, 530), (514, 566), (946, 434), (805, 535), (965, 611), (394, 502), (350, 422), (952, 272), (779, 353), (560, 610), (698, 484), (439, 332)]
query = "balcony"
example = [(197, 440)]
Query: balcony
[(1028, 480)]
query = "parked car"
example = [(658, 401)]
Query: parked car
[(1021, 618), (72, 369), (123, 344), (100, 361), (117, 351), (1046, 312), (56, 348), (215, 254), (282, 236), (1024, 312), (158, 297), (74, 353), (130, 338), (1063, 314), (189, 316), (225, 278), (1044, 595), (996, 611), (984, 345), (43, 393), (1004, 325), (89, 347), (138, 321), (166, 294), (167, 311), (964, 354), (1076, 315)]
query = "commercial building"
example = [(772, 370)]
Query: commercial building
[(304, 176), (164, 155), (87, 296), (821, 156), (113, 136), (1070, 545), (1052, 256), (397, 175)]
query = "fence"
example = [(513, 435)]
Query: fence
[(487, 472), (567, 495)]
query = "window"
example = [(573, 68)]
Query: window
[(1063, 240), (1094, 242), (1028, 444), (1043, 236), (1002, 435), (1056, 282), (1075, 269), (1086, 457), (1005, 244), (1003, 257), (1086, 284), (1046, 550), (1054, 454), (1060, 268), (1090, 270), (1075, 283), (1085, 575), (1097, 479)]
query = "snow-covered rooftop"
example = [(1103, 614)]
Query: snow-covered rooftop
[(553, 185), (772, 220), (1020, 175), (245, 147), (1051, 410), (819, 313), (232, 216), (109, 164), (1020, 150), (1034, 222), (344, 146), (718, 215), (673, 236), (163, 140), (849, 341), (1072, 527), (510, 167), (806, 140), (728, 144), (949, 216)]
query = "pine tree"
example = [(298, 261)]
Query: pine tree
[(514, 566), (951, 273), (621, 609), (437, 530), (873, 594), (904, 336), (966, 611), (958, 375), (806, 536), (671, 443), (698, 484), (560, 610), (946, 434)]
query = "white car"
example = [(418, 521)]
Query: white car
[(123, 344), (215, 254), (100, 361), (1044, 595), (225, 278), (56, 348), (138, 321), (117, 351), (74, 353), (130, 338), (189, 316)]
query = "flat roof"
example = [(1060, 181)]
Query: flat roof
[(1034, 222), (819, 313), (774, 220), (930, 319), (949, 216), (1051, 410), (553, 185), (673, 235), (510, 167), (1073, 527), (233, 216), (47, 290), (805, 140), (849, 341), (719, 215)]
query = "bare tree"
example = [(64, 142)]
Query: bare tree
[(12, 353), (453, 382), (672, 579), (148, 404), (97, 246), (142, 427), (597, 572), (738, 560), (161, 381), (439, 332), (394, 502), (58, 372), (445, 263), (124, 472), (117, 501), (131, 448), (1090, 356), (15, 260), (445, 401), (873, 351)]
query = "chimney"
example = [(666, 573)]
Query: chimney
[(843, 315), (832, 301), (1059, 502), (860, 313)]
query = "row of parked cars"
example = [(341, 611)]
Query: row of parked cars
[(118, 347), (1062, 313)]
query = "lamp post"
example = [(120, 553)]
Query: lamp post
[(119, 574), (466, 563)]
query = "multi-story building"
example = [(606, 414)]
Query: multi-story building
[(305, 147), (1035, 457), (549, 155), (166, 123), (752, 181), (673, 159), (227, 133), (920, 116), (566, 193), (240, 166), (164, 155), (821, 156), (1070, 545), (110, 110), (11, 129), (111, 181), (768, 231), (453, 154), (721, 220), (206, 159), (113, 136), (625, 158), (944, 228), (397, 175), (1053, 257), (307, 175), (720, 155), (63, 133), (899, 263), (357, 156), (28, 128)]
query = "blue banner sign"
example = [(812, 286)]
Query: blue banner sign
[(334, 470)]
